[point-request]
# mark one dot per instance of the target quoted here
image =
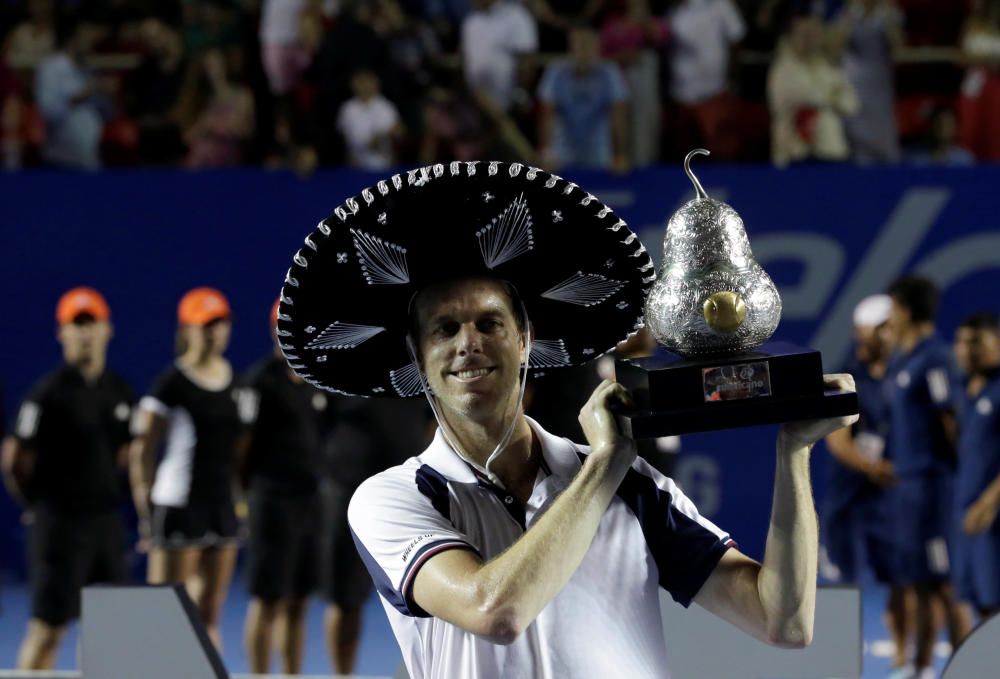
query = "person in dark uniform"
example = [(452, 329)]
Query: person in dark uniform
[(281, 473), (921, 386), (855, 514), (64, 462), (369, 435), (184, 495), (977, 484)]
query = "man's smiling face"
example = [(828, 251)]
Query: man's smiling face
[(470, 346)]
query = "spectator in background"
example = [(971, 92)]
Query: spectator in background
[(632, 38), (221, 109), (454, 127), (921, 380), (414, 52), (32, 40), (583, 108), (290, 31), (977, 501), (369, 123), (22, 130), (942, 148), (184, 497), (979, 103), (154, 92), (556, 17), (281, 474), (494, 38), (65, 463), (808, 97), (72, 100), (871, 31), (703, 33), (350, 45)]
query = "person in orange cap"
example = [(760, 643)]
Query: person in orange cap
[(185, 500), (281, 475), (64, 464)]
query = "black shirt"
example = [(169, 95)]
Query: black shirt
[(202, 428), (76, 429), (288, 427)]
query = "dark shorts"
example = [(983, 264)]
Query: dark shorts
[(344, 578), (283, 545), (195, 526), (922, 509), (857, 536), (69, 552), (977, 566)]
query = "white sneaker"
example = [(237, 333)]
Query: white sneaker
[(907, 671)]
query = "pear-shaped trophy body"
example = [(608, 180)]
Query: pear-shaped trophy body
[(711, 296)]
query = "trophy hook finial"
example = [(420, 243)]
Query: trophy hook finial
[(687, 170)]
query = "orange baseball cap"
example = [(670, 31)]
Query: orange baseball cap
[(82, 300), (201, 306), (274, 312)]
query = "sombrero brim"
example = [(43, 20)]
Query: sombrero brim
[(582, 274)]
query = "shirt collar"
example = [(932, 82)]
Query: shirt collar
[(559, 455)]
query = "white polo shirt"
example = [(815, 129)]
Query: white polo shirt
[(604, 623), (492, 41)]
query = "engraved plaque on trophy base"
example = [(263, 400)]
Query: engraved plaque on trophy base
[(777, 382)]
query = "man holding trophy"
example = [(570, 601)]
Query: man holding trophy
[(501, 550)]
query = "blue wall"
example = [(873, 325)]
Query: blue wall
[(827, 235)]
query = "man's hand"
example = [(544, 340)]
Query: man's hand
[(597, 418), (881, 473), (981, 514), (804, 434)]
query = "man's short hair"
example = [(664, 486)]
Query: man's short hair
[(513, 298), (982, 320), (918, 295)]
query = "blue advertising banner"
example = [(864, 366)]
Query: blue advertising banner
[(827, 235)]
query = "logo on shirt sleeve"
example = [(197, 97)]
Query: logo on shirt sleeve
[(27, 420), (413, 543), (937, 384), (984, 406)]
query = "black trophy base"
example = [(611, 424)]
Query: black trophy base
[(777, 383)]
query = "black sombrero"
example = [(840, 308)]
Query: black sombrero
[(582, 274)]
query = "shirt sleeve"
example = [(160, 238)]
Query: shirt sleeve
[(163, 395), (29, 417), (399, 520), (732, 20), (941, 381), (685, 545), (523, 31)]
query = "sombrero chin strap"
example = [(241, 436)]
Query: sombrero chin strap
[(508, 431)]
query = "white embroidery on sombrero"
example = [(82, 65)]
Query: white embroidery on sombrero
[(557, 216), (323, 228), (382, 262), (470, 167), (309, 242), (588, 199), (551, 181), (352, 205), (292, 357), (310, 329), (300, 260), (438, 169), (508, 235), (368, 196), (629, 239), (397, 181), (647, 266), (406, 380), (340, 213), (383, 188), (548, 354), (455, 167), (531, 174), (319, 359), (285, 299), (603, 212), (282, 333), (294, 282), (381, 218), (617, 225), (514, 169), (640, 251), (569, 188), (584, 289), (284, 317), (343, 336), (493, 167)]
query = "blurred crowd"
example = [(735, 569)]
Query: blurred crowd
[(611, 84)]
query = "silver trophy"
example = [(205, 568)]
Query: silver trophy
[(712, 309), (711, 296)]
